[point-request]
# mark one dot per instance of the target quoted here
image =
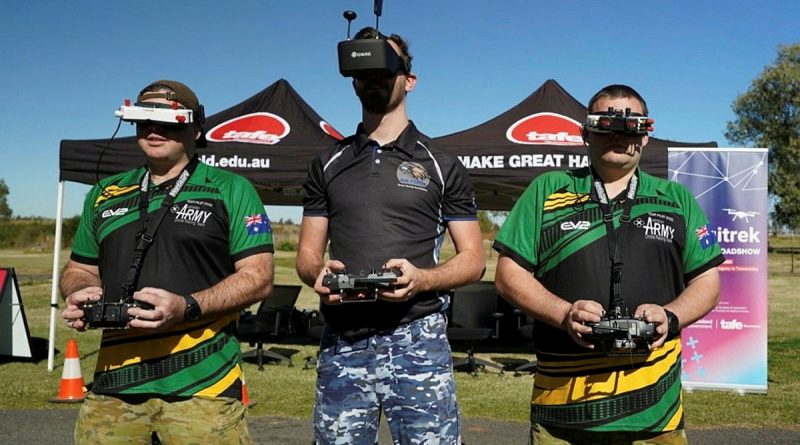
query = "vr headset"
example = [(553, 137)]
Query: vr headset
[(614, 121), (164, 114), (366, 57), (369, 57)]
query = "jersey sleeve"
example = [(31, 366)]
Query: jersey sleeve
[(85, 248), (702, 250), (250, 229), (519, 237), (315, 202), (459, 195)]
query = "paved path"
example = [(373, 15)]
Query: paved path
[(54, 427)]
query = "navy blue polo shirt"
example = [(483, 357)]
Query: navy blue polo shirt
[(383, 202)]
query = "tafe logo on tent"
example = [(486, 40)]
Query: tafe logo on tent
[(253, 128), (545, 129), (330, 131)]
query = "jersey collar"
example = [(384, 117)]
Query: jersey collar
[(594, 180), (406, 142), (197, 178)]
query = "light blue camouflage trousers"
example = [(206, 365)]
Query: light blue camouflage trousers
[(406, 373)]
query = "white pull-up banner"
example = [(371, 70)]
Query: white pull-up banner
[(727, 349)]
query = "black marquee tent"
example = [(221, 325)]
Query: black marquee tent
[(539, 134), (269, 138)]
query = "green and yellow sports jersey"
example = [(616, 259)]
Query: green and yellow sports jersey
[(556, 231), (216, 220)]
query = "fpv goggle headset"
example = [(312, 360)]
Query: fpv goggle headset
[(158, 113), (615, 121), (369, 57)]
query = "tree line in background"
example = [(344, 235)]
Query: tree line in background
[(36, 234), (5, 210), (767, 115)]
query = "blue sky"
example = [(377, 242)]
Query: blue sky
[(68, 65)]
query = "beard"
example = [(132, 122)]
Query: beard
[(379, 97)]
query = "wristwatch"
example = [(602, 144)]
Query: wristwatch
[(193, 311), (673, 325)]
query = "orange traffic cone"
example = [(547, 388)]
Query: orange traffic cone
[(246, 395), (71, 389)]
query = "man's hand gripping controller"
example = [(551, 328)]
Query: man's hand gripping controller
[(362, 287), (620, 335)]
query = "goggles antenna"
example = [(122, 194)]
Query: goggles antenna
[(378, 9), (349, 16)]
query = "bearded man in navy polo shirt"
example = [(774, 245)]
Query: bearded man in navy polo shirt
[(384, 198)]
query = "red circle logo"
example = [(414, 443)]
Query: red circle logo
[(546, 129), (253, 128), (330, 131)]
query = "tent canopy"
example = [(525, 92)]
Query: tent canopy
[(269, 138), (539, 134)]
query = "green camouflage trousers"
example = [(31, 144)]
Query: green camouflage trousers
[(108, 420), (565, 436)]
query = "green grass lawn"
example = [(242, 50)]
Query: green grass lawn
[(289, 391)]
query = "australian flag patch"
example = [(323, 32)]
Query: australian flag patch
[(706, 237), (257, 224)]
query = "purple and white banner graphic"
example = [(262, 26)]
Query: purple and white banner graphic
[(727, 349)]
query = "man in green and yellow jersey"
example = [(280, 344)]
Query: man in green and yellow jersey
[(183, 247), (603, 243)]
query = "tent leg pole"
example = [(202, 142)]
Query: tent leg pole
[(54, 289)]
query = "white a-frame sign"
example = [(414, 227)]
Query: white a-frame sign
[(14, 335)]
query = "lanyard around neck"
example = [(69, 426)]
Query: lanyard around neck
[(615, 238), (169, 199), (146, 236)]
